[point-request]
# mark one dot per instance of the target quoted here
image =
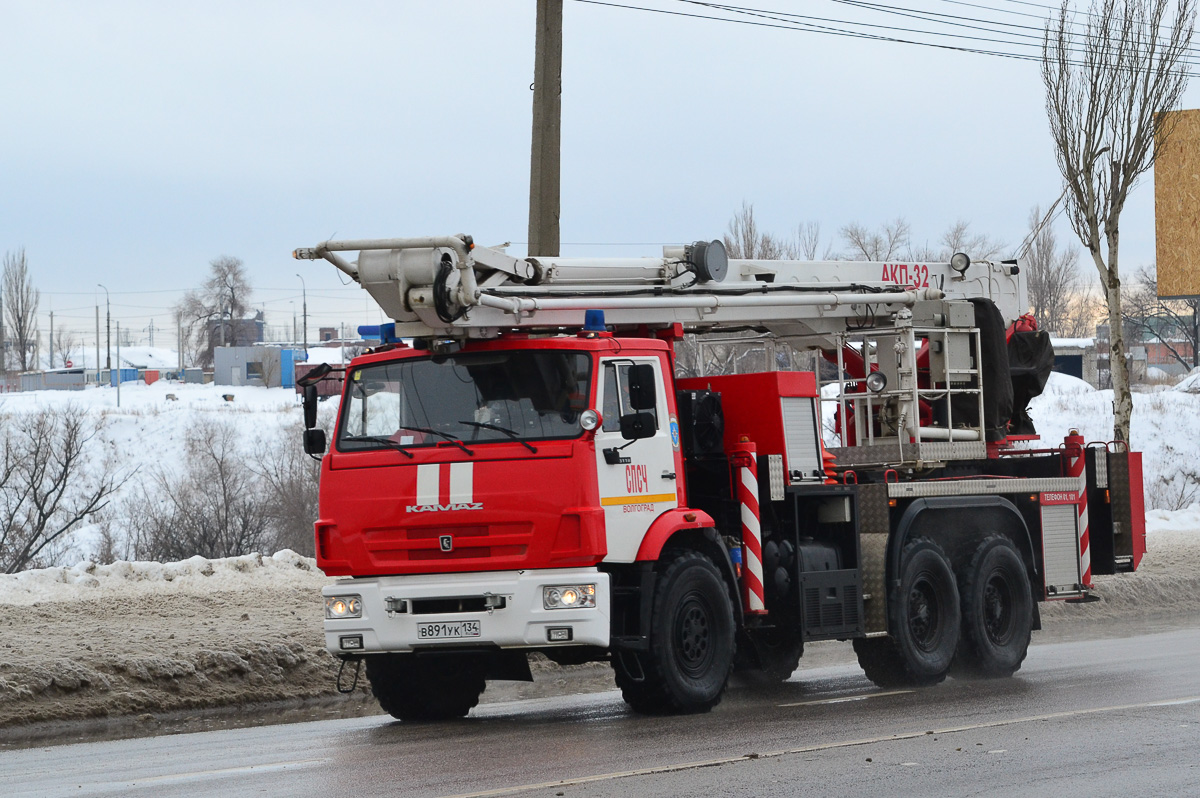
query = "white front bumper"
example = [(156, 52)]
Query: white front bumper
[(522, 623)]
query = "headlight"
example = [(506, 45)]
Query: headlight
[(564, 597), (343, 607)]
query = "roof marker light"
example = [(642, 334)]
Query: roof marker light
[(593, 321)]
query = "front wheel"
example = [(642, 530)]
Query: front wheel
[(997, 610), (691, 642), (429, 687)]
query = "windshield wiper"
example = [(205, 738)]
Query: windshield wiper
[(428, 431), (514, 435), (385, 440)]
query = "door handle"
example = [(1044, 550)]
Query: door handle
[(668, 475)]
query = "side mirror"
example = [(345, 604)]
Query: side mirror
[(314, 375), (314, 441), (310, 408), (642, 395), (638, 425)]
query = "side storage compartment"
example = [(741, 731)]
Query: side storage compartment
[(827, 561)]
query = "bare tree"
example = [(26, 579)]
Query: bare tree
[(744, 240), (214, 508), (1084, 310), (1173, 323), (20, 308), (67, 347), (808, 240), (959, 238), (1105, 90), (1052, 275), (289, 487), (885, 243), (209, 315), (50, 482)]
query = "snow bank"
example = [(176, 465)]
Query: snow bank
[(1190, 383), (196, 576)]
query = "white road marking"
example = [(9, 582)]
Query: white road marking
[(808, 749), (845, 699), (223, 772)]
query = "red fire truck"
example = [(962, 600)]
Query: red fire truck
[(536, 459)]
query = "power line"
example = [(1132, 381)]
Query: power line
[(769, 19)]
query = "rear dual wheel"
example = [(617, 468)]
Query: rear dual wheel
[(924, 618), (997, 611)]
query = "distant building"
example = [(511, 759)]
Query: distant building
[(268, 366), (326, 334), (234, 332)]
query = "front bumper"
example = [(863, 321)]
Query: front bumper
[(521, 623)]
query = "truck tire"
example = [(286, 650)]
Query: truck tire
[(773, 658), (997, 611), (691, 642), (426, 688), (924, 622)]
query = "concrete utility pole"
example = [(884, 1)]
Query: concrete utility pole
[(51, 339), (547, 114), (118, 364), (107, 331), (97, 344), (304, 291)]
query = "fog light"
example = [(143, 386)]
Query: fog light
[(343, 607), (351, 642), (559, 634), (564, 597)]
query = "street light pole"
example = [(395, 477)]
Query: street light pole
[(304, 294), (107, 331)]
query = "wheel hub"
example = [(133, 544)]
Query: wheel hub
[(923, 618), (997, 610), (693, 636)]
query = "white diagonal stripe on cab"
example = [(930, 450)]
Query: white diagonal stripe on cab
[(427, 484), (462, 479)]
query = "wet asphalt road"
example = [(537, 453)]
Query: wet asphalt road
[(1093, 718)]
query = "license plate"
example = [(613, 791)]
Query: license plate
[(447, 631)]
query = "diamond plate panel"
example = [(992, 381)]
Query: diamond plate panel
[(874, 524), (1122, 511), (978, 487), (775, 476)]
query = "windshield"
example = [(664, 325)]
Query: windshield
[(474, 398)]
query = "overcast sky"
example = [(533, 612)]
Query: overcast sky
[(139, 140)]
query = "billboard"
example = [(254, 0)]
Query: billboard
[(1177, 205)]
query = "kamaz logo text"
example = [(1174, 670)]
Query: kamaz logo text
[(435, 508), (445, 489)]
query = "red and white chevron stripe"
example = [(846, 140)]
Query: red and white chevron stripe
[(744, 459), (1077, 468)]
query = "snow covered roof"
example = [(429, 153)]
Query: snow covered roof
[(1069, 343), (325, 354)]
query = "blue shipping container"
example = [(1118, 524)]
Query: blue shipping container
[(127, 375)]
